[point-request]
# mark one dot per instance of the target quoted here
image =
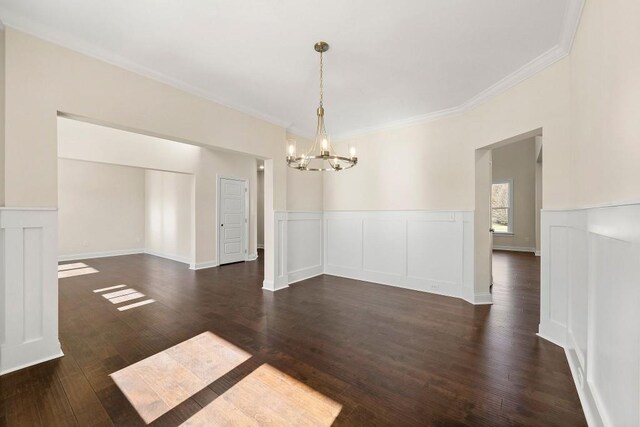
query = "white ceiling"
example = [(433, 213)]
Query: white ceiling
[(390, 61)]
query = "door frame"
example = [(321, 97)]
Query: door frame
[(245, 228), (483, 245)]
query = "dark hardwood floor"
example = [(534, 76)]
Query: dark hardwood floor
[(389, 356)]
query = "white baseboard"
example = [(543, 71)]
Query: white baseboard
[(104, 254), (260, 246), (183, 260), (538, 253), (553, 332), (513, 248), (252, 257), (268, 285), (304, 274), (587, 400), (476, 298), (203, 265), (57, 355)]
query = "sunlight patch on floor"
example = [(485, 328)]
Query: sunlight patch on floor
[(128, 297), (267, 396), (159, 383), (76, 272), (109, 288), (136, 304), (63, 267), (119, 293)]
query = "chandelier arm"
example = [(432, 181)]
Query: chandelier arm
[(321, 150)]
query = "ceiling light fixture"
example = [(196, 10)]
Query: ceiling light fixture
[(321, 156)]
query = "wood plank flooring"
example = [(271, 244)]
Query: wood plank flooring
[(389, 356)]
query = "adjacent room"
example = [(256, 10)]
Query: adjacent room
[(311, 214)]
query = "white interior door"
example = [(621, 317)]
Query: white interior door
[(231, 229)]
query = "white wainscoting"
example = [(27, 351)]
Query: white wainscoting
[(298, 248), (28, 287), (304, 245), (590, 305), (421, 250)]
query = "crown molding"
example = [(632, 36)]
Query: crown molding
[(571, 21), (52, 36), (572, 15)]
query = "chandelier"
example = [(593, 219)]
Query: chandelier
[(321, 156)]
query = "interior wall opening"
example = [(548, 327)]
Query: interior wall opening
[(148, 195), (508, 184)]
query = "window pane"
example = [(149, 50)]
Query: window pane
[(500, 195), (500, 220)]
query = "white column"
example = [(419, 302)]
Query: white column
[(28, 287)]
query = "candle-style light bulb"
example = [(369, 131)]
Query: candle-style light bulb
[(292, 150), (352, 151), (325, 144)]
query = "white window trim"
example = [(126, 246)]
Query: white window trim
[(509, 231)]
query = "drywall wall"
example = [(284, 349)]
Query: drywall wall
[(44, 79), (585, 104), (430, 165), (100, 208), (516, 162), (169, 216), (260, 220), (304, 188), (87, 141), (2, 112), (213, 164), (538, 173), (605, 89)]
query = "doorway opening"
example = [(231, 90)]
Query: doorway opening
[(123, 192), (508, 184)]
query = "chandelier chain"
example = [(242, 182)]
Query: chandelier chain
[(321, 81)]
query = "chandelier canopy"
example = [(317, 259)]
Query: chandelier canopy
[(321, 156)]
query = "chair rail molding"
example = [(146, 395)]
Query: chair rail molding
[(28, 287)]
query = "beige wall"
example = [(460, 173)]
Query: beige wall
[(539, 206), (101, 208), (169, 216), (43, 79), (304, 189), (430, 165), (216, 163), (260, 225), (517, 162), (586, 104), (86, 141), (2, 113), (605, 91)]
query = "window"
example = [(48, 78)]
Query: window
[(502, 207)]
